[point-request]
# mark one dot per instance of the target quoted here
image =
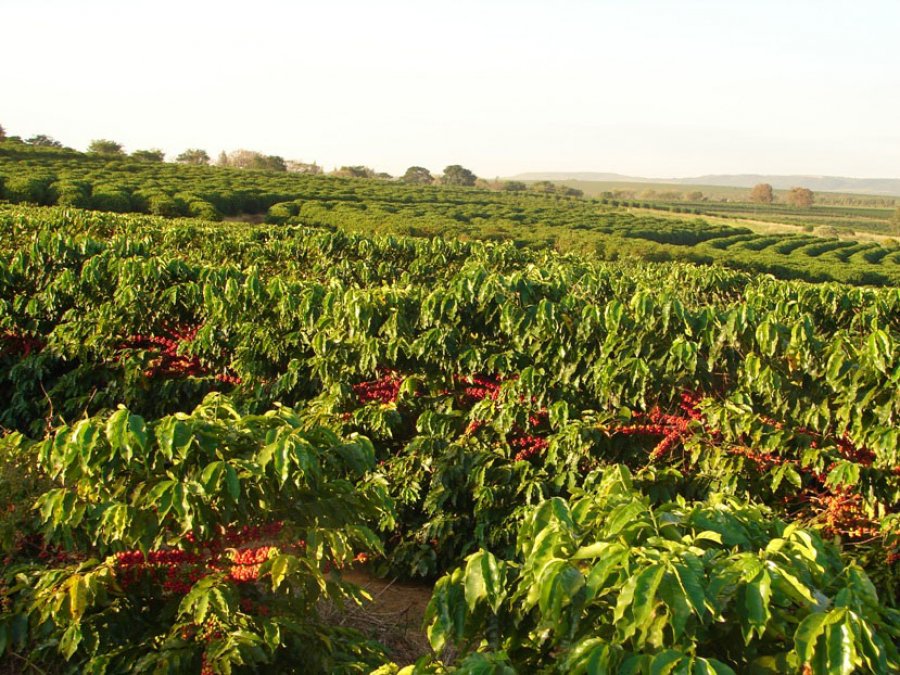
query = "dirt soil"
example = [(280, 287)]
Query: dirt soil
[(394, 617)]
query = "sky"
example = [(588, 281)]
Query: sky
[(656, 88)]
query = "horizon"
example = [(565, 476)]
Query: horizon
[(650, 89)]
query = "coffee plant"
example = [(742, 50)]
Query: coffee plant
[(601, 467)]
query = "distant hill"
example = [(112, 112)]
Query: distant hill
[(589, 176), (878, 186), (872, 186)]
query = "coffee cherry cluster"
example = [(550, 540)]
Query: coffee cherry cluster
[(16, 344), (385, 389), (167, 362), (252, 556), (672, 428), (528, 446), (844, 514), (244, 573), (477, 388), (689, 402)]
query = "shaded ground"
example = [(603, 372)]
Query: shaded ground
[(394, 617)]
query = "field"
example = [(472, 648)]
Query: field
[(611, 231), (849, 213), (599, 465)]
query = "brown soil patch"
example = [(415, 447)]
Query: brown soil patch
[(394, 617)]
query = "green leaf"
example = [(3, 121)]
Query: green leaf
[(671, 592), (232, 483), (77, 597), (665, 662), (810, 629), (475, 584), (710, 667), (484, 579), (843, 473), (791, 585), (692, 583), (271, 634), (595, 550), (842, 655), (753, 603), (559, 583), (624, 515), (645, 592), (615, 556), (709, 535), (280, 567), (212, 476), (70, 640)]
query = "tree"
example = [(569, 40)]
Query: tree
[(417, 175), (294, 166), (155, 155), (762, 194), (250, 159), (270, 163), (102, 146), (354, 172), (457, 175), (2, 134), (801, 197), (514, 186), (193, 156), (544, 186), (694, 196), (44, 141)]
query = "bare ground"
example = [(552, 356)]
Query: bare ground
[(394, 617)]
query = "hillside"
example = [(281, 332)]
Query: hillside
[(872, 186), (531, 219)]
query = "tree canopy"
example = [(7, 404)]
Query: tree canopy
[(417, 175), (800, 196), (154, 155), (193, 156), (458, 175), (762, 194), (43, 141), (250, 159), (103, 146), (355, 172)]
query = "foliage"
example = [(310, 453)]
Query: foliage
[(143, 360), (417, 175), (44, 141), (762, 194), (531, 219), (800, 197), (610, 583), (250, 159), (102, 146), (193, 156), (154, 155), (197, 541), (458, 175)]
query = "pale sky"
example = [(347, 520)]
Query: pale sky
[(643, 87)]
